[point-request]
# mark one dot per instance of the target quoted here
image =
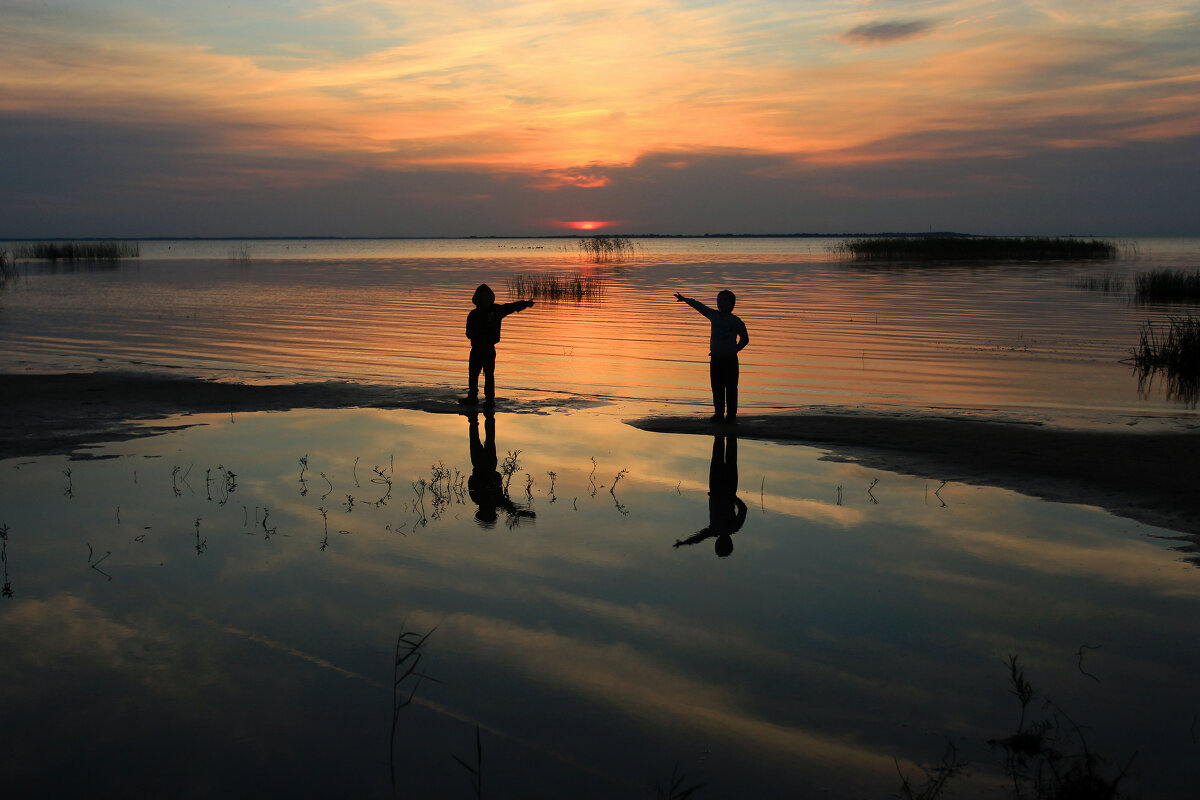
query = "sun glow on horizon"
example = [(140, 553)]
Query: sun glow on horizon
[(586, 224)]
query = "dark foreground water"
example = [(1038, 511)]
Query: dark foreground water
[(219, 611)]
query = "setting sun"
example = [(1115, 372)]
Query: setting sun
[(587, 224)]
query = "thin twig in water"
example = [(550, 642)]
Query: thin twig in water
[(1079, 653), (477, 770), (408, 658)]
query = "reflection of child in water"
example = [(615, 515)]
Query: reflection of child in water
[(726, 511), (485, 486), (483, 329)]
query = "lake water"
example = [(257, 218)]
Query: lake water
[(217, 611), (823, 331)]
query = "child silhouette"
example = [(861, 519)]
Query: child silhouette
[(728, 338), (483, 329)]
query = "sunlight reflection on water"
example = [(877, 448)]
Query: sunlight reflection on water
[(823, 331)]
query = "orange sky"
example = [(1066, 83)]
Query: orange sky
[(562, 94)]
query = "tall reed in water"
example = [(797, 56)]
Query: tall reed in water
[(1167, 286), (1172, 351), (603, 248), (575, 287)]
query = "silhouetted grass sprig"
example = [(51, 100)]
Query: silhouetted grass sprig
[(1167, 286), (1173, 351), (577, 287), (77, 251), (960, 248)]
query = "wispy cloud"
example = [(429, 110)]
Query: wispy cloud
[(887, 32)]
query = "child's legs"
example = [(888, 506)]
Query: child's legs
[(731, 387), (481, 358), (489, 373), (723, 374), (717, 380)]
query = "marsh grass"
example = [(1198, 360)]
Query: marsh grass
[(1172, 351), (7, 272), (966, 248), (1167, 286), (1107, 283), (575, 287), (603, 249), (77, 251)]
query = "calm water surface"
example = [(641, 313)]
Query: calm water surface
[(216, 611), (823, 331), (174, 630)]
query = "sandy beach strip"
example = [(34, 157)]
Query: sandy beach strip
[(1152, 477)]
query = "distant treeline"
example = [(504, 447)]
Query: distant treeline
[(77, 251), (959, 248)]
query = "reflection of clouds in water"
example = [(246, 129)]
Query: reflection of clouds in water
[(997, 530), (619, 677), (66, 630)]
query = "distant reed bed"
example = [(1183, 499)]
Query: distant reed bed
[(77, 251), (1167, 286), (965, 248), (602, 249), (576, 287)]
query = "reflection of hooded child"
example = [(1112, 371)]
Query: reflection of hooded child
[(726, 511), (485, 486)]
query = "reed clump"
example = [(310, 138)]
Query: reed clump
[(603, 249), (77, 251), (1106, 283), (1167, 286), (576, 286), (965, 248), (1171, 350)]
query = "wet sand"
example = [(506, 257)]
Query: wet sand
[(1150, 477), (65, 414)]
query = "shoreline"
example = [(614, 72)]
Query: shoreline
[(1146, 476)]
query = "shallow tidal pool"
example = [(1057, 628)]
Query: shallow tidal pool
[(372, 603)]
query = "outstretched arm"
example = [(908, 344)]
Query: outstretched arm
[(512, 308), (695, 538), (696, 304)]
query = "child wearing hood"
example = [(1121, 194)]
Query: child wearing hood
[(483, 329)]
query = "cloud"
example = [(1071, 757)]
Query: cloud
[(887, 32)]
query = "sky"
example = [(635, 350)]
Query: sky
[(139, 118)]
